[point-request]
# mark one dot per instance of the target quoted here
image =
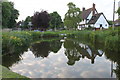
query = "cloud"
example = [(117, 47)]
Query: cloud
[(55, 66), (27, 7)]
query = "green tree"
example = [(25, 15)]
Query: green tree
[(26, 22), (110, 22), (9, 15), (56, 21), (118, 11), (72, 17)]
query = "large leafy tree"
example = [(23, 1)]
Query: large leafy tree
[(9, 15), (40, 20), (72, 17), (56, 21), (118, 11)]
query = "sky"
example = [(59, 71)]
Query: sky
[(28, 7)]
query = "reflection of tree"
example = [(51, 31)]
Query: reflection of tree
[(9, 59), (115, 57), (117, 71), (43, 49), (55, 46), (71, 52), (88, 51), (72, 56), (39, 49), (76, 50)]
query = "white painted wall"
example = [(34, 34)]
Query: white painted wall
[(102, 21)]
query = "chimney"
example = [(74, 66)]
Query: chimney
[(93, 9), (83, 9)]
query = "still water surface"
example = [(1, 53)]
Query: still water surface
[(61, 59)]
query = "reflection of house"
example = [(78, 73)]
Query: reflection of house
[(91, 17), (76, 50)]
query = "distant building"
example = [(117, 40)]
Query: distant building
[(92, 18)]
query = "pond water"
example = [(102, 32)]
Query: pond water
[(66, 58)]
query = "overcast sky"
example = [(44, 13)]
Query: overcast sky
[(28, 7)]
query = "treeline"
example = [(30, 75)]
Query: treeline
[(41, 20)]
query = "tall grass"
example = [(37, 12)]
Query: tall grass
[(24, 38)]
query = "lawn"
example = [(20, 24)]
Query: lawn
[(6, 73)]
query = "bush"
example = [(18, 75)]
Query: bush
[(13, 40)]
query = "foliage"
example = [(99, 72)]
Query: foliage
[(56, 21), (110, 22), (24, 38), (118, 11), (40, 20), (72, 17), (94, 36), (27, 21), (112, 40), (18, 39), (12, 41), (9, 15)]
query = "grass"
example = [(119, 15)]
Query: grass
[(25, 38), (6, 73)]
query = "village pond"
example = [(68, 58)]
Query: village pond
[(63, 58)]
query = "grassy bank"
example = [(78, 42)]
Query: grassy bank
[(6, 73), (109, 38), (24, 38)]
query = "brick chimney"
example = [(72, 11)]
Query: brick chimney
[(83, 9), (93, 9)]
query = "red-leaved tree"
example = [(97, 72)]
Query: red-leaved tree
[(40, 20)]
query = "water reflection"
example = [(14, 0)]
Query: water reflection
[(76, 50), (54, 66), (67, 59), (43, 49), (114, 56), (13, 58)]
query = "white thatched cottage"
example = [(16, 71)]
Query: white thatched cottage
[(92, 18)]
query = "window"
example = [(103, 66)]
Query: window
[(100, 25)]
